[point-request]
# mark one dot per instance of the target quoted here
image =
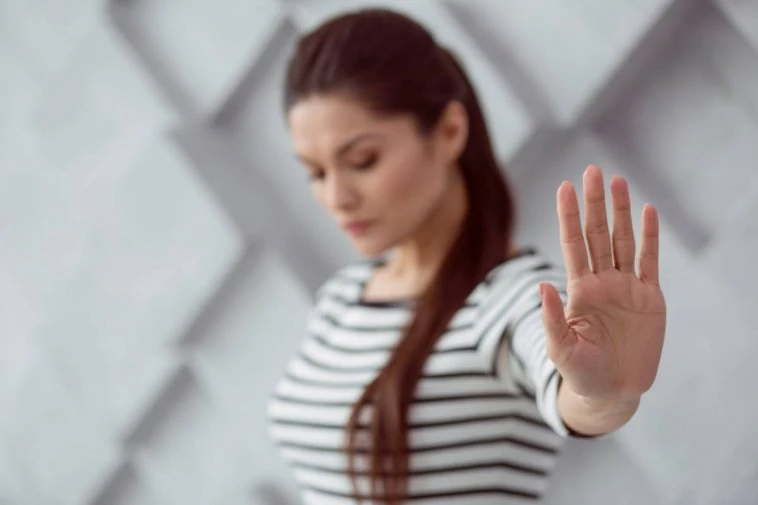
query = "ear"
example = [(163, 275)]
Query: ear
[(452, 131)]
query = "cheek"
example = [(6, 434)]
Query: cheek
[(411, 187), (317, 190)]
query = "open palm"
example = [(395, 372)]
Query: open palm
[(607, 341)]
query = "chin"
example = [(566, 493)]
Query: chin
[(370, 248)]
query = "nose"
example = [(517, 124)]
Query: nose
[(340, 195)]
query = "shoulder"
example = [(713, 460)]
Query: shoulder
[(511, 290), (524, 272)]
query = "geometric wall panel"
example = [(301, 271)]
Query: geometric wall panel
[(153, 262), (18, 316), (87, 123), (744, 15), (589, 42), (734, 251), (55, 451), (118, 277), (688, 126), (192, 456), (206, 441), (198, 50), (165, 243), (128, 487), (19, 97), (46, 34), (43, 238)]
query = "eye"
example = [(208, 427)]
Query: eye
[(314, 172), (316, 175), (366, 162)]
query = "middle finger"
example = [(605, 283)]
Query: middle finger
[(596, 220)]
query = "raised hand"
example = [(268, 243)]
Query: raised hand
[(607, 342)]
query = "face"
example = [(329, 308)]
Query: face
[(380, 178)]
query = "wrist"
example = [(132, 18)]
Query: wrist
[(610, 405), (597, 415)]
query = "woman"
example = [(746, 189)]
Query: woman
[(444, 368)]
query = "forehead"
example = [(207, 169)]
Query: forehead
[(324, 122), (327, 119)]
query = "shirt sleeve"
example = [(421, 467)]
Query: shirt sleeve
[(521, 353)]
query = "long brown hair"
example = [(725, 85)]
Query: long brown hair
[(393, 65)]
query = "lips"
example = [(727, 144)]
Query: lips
[(357, 227)]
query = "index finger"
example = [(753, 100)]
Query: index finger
[(572, 239)]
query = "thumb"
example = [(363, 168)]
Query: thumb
[(559, 335)]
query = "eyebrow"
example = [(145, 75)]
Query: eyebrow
[(349, 144)]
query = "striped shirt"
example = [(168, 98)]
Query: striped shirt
[(484, 425)]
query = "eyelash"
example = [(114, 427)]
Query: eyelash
[(370, 162)]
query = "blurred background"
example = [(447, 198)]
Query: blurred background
[(159, 247)]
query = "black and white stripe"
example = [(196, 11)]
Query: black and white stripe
[(484, 426)]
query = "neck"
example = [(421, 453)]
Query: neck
[(422, 255)]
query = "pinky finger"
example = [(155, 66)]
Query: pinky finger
[(649, 250)]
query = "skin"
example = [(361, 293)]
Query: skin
[(384, 170), (606, 342)]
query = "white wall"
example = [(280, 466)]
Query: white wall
[(158, 245)]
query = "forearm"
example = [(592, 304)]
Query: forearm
[(593, 417)]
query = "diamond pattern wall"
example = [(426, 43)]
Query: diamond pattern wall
[(160, 248)]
